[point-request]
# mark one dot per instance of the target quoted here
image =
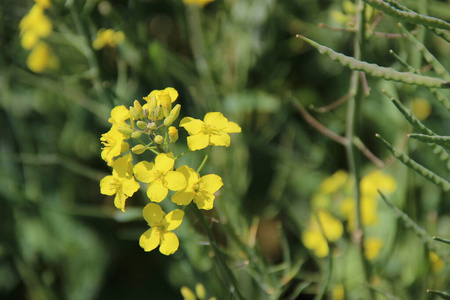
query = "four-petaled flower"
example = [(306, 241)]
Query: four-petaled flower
[(213, 130), (114, 144), (121, 182), (200, 189), (119, 115), (163, 98), (160, 176), (160, 232)]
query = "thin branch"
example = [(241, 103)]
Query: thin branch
[(332, 105)]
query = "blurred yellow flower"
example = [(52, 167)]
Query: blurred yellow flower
[(338, 292), (43, 3), (160, 232), (108, 38), (437, 264), (313, 238), (213, 130), (421, 108), (34, 26), (200, 293), (160, 176), (334, 182), (376, 180), (197, 2), (41, 58), (372, 247), (368, 207)]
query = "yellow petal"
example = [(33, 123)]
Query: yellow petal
[(144, 171), (119, 201), (221, 139), (204, 200), (189, 174), (169, 243), (156, 191), (183, 197), (119, 114), (211, 183), (153, 214), (122, 166), (173, 219), (107, 186), (172, 93), (130, 186), (198, 141), (150, 239), (192, 126), (216, 119), (232, 128), (164, 162), (175, 180)]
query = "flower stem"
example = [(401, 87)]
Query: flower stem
[(204, 160)]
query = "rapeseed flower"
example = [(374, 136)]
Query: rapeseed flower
[(437, 264), (421, 108), (41, 58), (213, 130), (334, 182), (201, 190), (121, 183), (108, 38), (163, 98), (160, 232), (200, 293), (119, 115), (113, 140), (160, 176), (372, 247), (377, 180), (34, 26)]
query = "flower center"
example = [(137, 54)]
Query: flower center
[(209, 129)]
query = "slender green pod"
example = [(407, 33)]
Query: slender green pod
[(419, 231), (418, 168), (445, 241), (444, 141), (408, 16), (437, 66), (377, 71), (442, 295)]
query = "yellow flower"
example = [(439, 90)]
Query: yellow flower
[(197, 2), (436, 262), (334, 182), (213, 130), (119, 115), (160, 232), (200, 293), (369, 214), (43, 3), (338, 292), (34, 26), (376, 180), (187, 293), (173, 134), (372, 247), (41, 58), (108, 38), (121, 183), (421, 108), (114, 144), (160, 176), (313, 238), (163, 98), (201, 190)]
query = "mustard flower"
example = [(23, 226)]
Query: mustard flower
[(160, 176), (213, 130), (113, 140), (43, 3), (368, 206), (197, 2), (201, 190), (377, 180), (41, 58), (163, 98), (338, 292), (372, 247), (437, 264), (119, 115), (121, 183), (313, 238), (334, 182), (421, 108), (108, 38), (200, 293), (161, 226), (34, 26)]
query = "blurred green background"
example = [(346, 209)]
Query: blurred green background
[(61, 239)]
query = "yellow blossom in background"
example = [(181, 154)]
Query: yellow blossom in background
[(197, 2), (187, 293), (163, 98), (313, 238), (421, 108), (119, 115), (34, 26), (121, 183), (437, 264), (372, 247), (213, 130), (108, 38), (161, 226), (201, 190), (338, 292), (377, 180), (200, 293), (113, 140), (334, 182), (160, 176), (43, 3), (368, 207), (41, 58)]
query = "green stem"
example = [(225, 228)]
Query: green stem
[(182, 154), (204, 160), (227, 275)]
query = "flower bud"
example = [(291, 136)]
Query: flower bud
[(136, 134), (152, 103), (173, 115), (138, 149), (125, 130), (158, 113), (145, 112), (173, 134), (138, 108), (152, 126), (200, 291), (159, 139), (141, 124), (134, 113)]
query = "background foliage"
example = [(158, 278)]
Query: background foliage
[(61, 239)]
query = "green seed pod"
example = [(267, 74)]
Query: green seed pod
[(136, 134), (141, 124), (159, 139), (138, 149)]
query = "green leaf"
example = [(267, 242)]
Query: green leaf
[(377, 71), (444, 141)]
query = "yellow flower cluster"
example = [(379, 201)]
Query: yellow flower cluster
[(108, 38), (154, 121), (335, 194), (34, 27), (199, 294)]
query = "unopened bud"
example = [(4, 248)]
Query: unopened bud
[(138, 149), (141, 124), (174, 113), (125, 130), (134, 113), (173, 134), (158, 113), (145, 112), (152, 103), (138, 108), (136, 134), (152, 126), (159, 139)]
